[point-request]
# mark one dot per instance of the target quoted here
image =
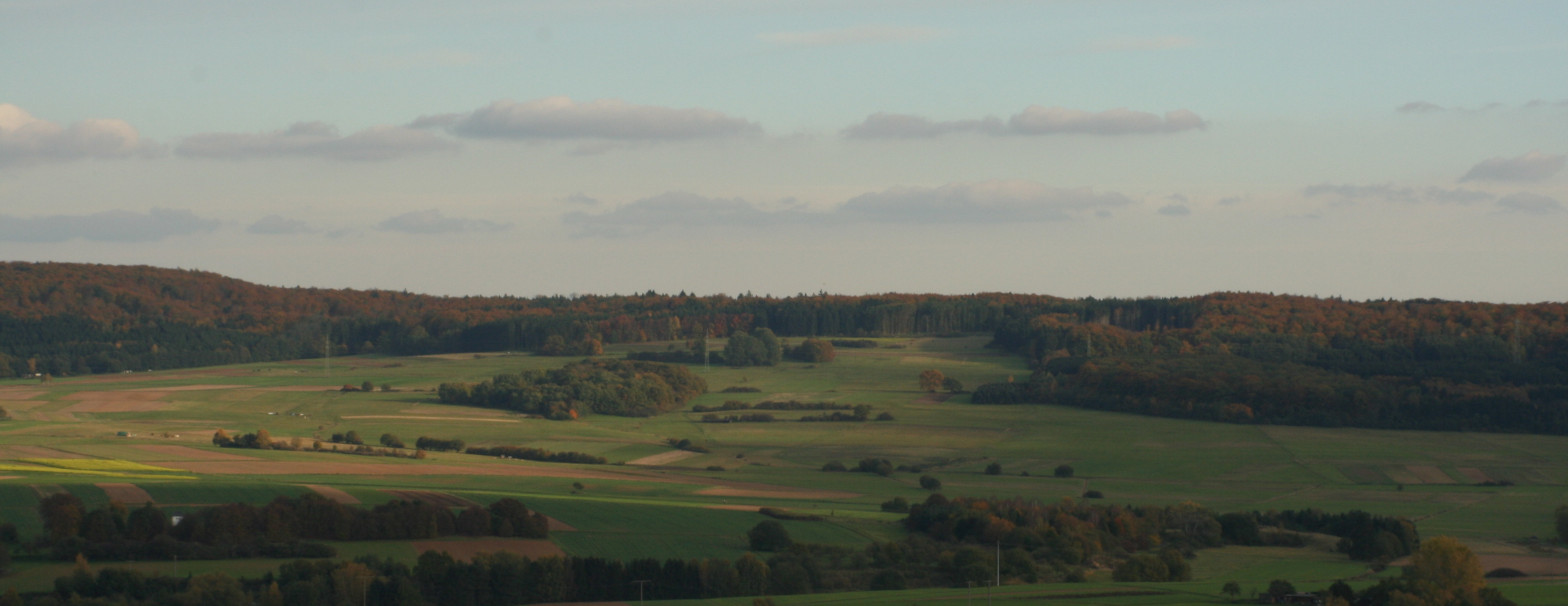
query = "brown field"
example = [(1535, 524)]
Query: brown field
[(780, 493), (117, 401), (186, 453), (464, 550), (334, 494), (664, 458), (298, 388), (559, 526), (9, 477), (1402, 475), (21, 451), (1430, 474), (1535, 566), (1475, 475), (10, 394), (439, 499), (129, 494), (734, 507), (420, 418)]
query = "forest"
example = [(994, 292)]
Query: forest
[(1236, 357)]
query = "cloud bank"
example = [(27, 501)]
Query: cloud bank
[(1529, 204), (25, 139), (315, 139), (1533, 166), (433, 222), (1034, 120), (987, 202), (275, 225), (563, 118), (1388, 192), (109, 226)]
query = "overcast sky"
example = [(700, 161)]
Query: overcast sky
[(1106, 148)]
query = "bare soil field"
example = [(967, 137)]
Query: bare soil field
[(186, 453), (129, 494), (1430, 474), (664, 458), (440, 499), (293, 388), (734, 507), (12, 394), (1402, 475), (1475, 475), (334, 494), (466, 550), (559, 526)]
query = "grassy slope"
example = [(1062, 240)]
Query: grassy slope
[(662, 513)]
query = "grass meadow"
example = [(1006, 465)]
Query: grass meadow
[(154, 430)]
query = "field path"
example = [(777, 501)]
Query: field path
[(664, 458)]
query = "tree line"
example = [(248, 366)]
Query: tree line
[(278, 529)]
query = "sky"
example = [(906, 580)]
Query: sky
[(1109, 148)]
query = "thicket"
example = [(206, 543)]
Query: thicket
[(613, 387), (536, 454)]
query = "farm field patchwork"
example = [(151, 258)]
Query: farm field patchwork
[(102, 437)]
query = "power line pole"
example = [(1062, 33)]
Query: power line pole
[(640, 584)]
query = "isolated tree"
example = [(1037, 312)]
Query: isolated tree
[(814, 350), (930, 483), (931, 380), (391, 441), (1279, 588), (994, 469), (769, 535), (952, 385), (1231, 589), (1444, 571), (1063, 471), (352, 437)]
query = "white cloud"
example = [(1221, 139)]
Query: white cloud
[(986, 202), (867, 34), (25, 139), (315, 139), (1529, 204), (433, 222), (1533, 166), (108, 226), (1033, 120), (277, 225), (563, 118)]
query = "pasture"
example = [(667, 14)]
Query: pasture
[(93, 436)]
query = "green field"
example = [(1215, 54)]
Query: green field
[(67, 435)]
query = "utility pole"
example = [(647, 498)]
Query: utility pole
[(998, 563), (641, 583)]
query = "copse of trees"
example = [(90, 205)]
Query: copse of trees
[(814, 350), (614, 387), (536, 454), (761, 347)]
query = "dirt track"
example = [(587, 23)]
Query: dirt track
[(334, 494), (129, 494)]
